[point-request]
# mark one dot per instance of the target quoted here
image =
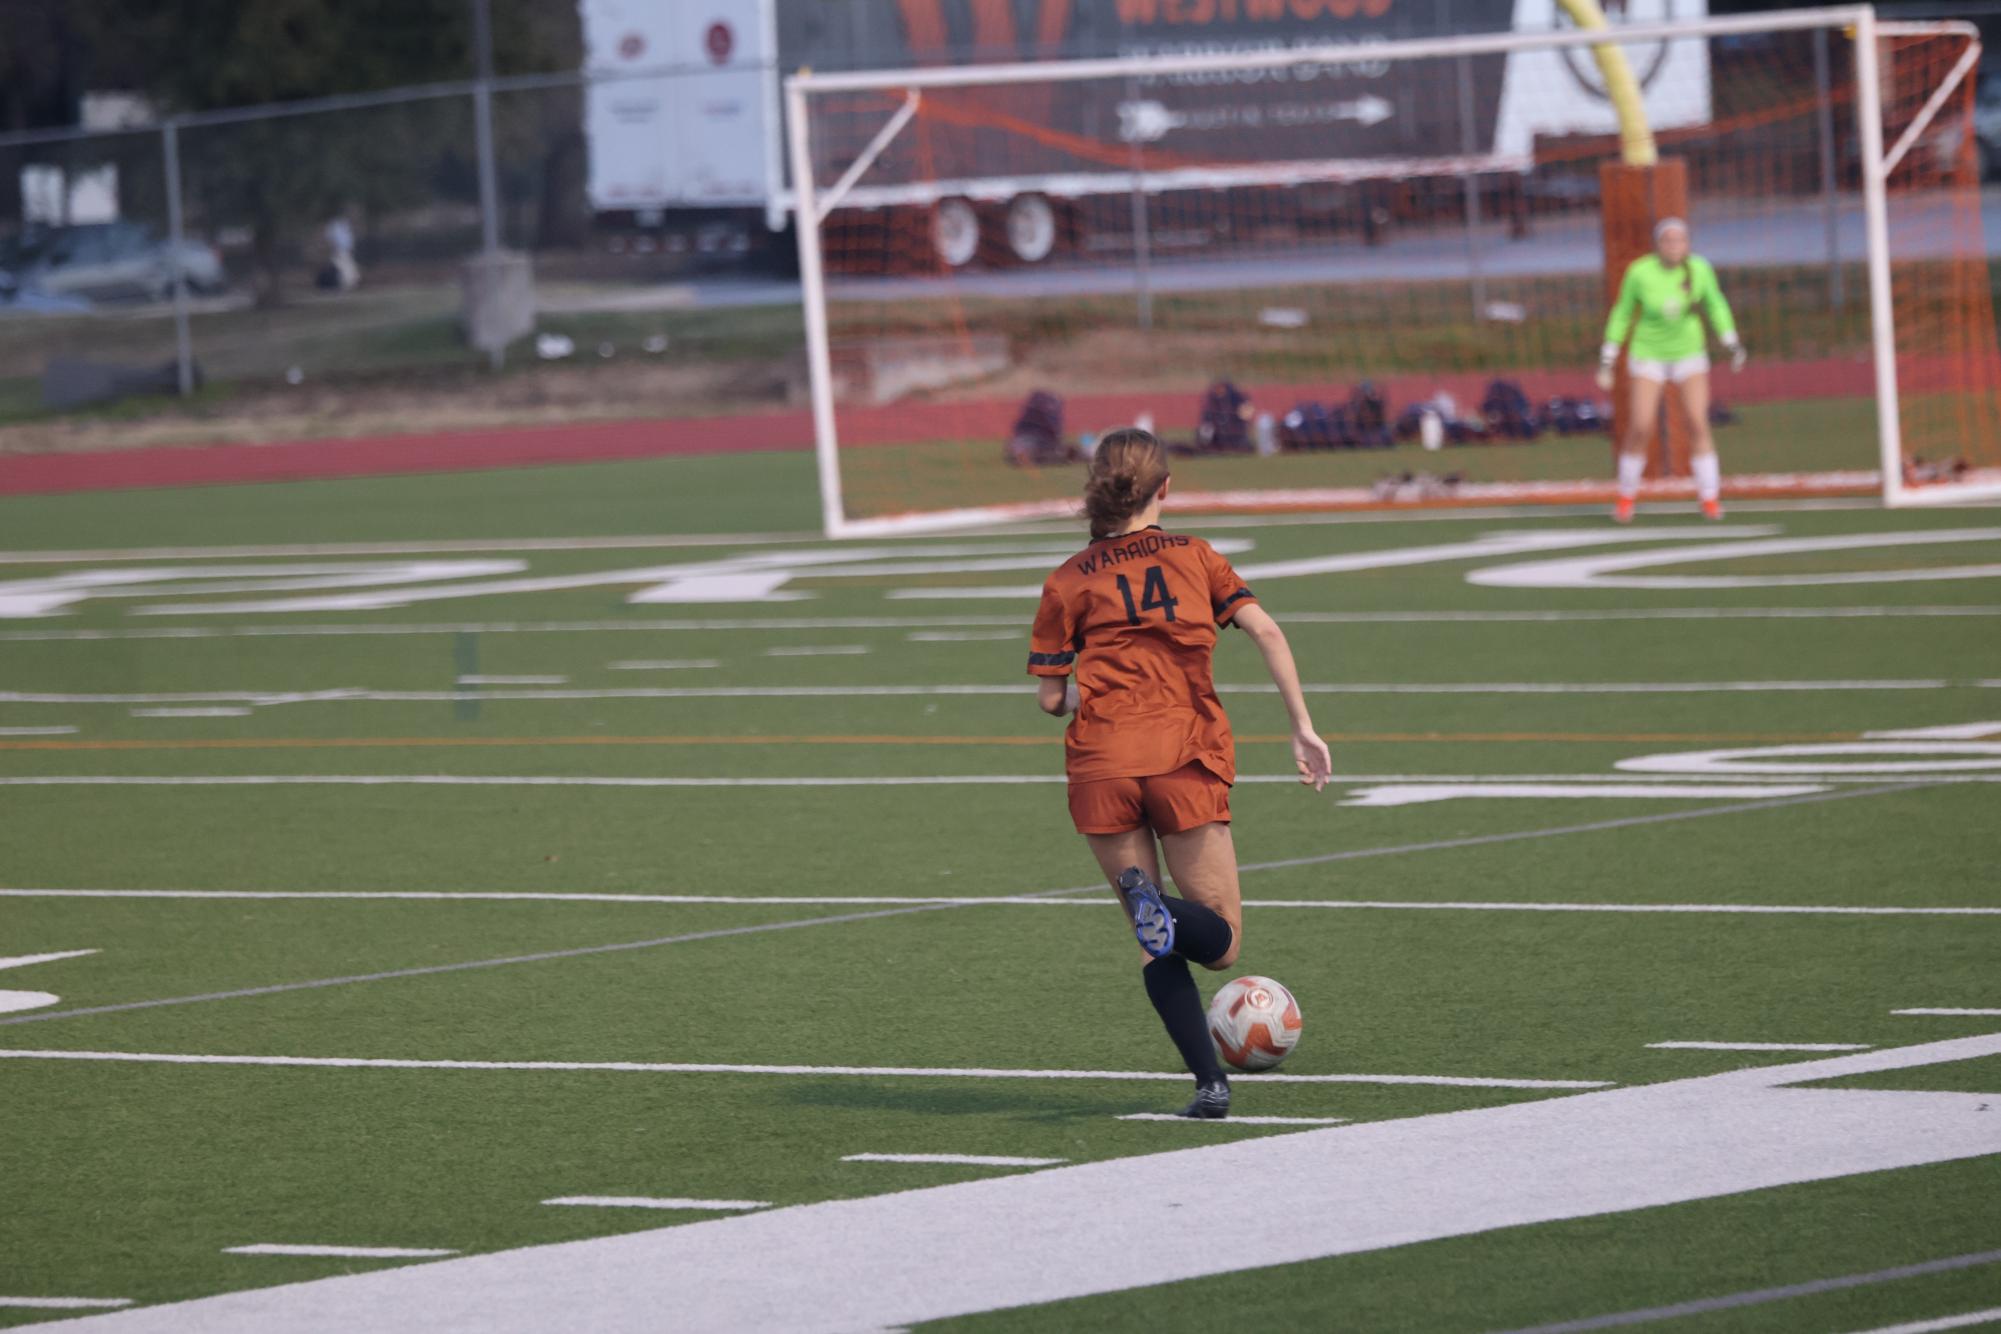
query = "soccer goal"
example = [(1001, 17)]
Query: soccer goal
[(1375, 273)]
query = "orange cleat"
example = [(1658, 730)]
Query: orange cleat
[(1712, 508), (1622, 510)]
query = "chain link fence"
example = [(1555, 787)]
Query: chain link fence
[(299, 268)]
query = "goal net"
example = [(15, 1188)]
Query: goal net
[(1374, 274)]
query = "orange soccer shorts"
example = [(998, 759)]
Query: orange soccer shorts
[(1170, 802)]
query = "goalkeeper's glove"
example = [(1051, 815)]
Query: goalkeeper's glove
[(1738, 356), (1608, 357)]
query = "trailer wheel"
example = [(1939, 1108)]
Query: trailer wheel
[(1031, 228), (955, 233)]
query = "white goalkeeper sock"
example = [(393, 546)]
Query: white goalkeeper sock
[(1708, 476), (1630, 468)]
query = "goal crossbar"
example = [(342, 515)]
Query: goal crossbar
[(1327, 53)]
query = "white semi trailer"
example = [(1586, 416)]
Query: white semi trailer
[(685, 126)]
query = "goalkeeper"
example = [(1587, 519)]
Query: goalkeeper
[(1662, 302)]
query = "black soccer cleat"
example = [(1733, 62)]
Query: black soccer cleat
[(1212, 1102)]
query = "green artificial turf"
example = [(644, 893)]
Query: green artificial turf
[(129, 1179)]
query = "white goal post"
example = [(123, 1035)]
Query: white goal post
[(861, 145)]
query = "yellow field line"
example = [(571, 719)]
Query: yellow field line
[(869, 739)]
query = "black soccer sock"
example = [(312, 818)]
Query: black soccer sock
[(1201, 935), (1171, 988)]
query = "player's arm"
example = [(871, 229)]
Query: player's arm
[(1721, 321), (1618, 325), (1309, 752), (1052, 653)]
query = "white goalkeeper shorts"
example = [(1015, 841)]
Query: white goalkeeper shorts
[(1669, 372)]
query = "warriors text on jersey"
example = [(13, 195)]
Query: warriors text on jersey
[(1136, 617)]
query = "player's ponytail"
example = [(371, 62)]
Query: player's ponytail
[(1126, 471)]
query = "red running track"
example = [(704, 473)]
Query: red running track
[(590, 442)]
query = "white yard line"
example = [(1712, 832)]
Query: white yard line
[(1992, 1315), (1018, 624), (355, 1252), (663, 664), (817, 651), (200, 711), (999, 535), (656, 1202), (26, 960), (1022, 901), (1967, 1014), (1414, 794), (439, 548), (514, 680), (354, 694), (1249, 1202), (588, 780), (37, 731), (1759, 1046), (965, 1159), (851, 1071), (64, 1303), (1950, 732), (1731, 1301), (1238, 1120)]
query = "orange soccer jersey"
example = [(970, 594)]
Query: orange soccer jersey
[(1136, 618)]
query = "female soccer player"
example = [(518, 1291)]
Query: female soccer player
[(1149, 753), (1669, 291)]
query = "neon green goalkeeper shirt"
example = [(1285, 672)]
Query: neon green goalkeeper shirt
[(1669, 305)]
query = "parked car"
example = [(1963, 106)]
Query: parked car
[(106, 259)]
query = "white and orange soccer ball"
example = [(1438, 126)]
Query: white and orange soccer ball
[(1255, 1023)]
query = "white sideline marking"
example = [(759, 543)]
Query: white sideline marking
[(1238, 1120), (1991, 1314), (663, 664), (1638, 780), (1820, 760), (698, 1068), (37, 731), (212, 711), (1951, 1012), (1249, 1203), (967, 1159), (655, 1202), (352, 694), (24, 960), (514, 680), (817, 651), (1486, 546), (357, 1252), (1608, 570), (1412, 794), (1950, 732), (65, 1303), (12, 1001), (441, 548), (733, 579), (651, 626), (1760, 1046), (1045, 528), (961, 636), (587, 780), (1009, 901)]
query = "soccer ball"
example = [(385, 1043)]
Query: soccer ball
[(1255, 1023)]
